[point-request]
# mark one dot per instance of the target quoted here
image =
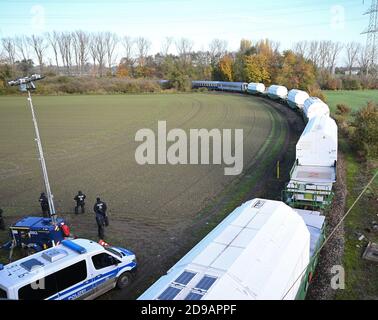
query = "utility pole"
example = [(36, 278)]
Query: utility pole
[(372, 35)]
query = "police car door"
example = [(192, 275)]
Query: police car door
[(75, 282), (105, 272)]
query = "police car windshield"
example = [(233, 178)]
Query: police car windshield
[(112, 250)]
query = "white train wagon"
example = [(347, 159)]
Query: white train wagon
[(256, 88), (259, 251), (277, 92), (315, 107), (314, 172), (296, 98)]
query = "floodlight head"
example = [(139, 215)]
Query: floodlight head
[(26, 83)]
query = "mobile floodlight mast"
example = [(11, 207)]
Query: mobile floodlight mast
[(27, 84)]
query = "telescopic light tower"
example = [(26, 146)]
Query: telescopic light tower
[(27, 85)]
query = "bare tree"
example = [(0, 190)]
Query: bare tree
[(128, 45), (23, 45), (80, 45), (301, 48), (364, 60), (65, 48), (352, 50), (334, 52), (143, 46), (166, 45), (324, 48), (184, 48), (10, 49), (313, 53), (39, 45), (217, 49), (99, 42), (53, 39), (111, 41), (93, 52)]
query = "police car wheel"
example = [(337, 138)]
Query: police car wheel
[(124, 280)]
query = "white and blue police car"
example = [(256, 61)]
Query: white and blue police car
[(75, 269)]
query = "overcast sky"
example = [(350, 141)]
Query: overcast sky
[(200, 20)]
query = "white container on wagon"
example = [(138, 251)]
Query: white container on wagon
[(255, 88), (277, 92), (317, 145), (315, 107), (296, 98), (257, 252)]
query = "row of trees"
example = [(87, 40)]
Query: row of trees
[(77, 52), (326, 55), (263, 62), (105, 53)]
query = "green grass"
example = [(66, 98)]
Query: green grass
[(361, 275), (354, 99)]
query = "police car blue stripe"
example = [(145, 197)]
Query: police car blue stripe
[(101, 279)]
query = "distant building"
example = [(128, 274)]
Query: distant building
[(353, 72)]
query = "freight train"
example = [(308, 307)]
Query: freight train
[(265, 249)]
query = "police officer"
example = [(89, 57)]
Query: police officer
[(79, 198), (2, 224), (101, 218), (44, 205)]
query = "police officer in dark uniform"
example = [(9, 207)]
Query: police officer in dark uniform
[(79, 198), (2, 224), (101, 218), (44, 205)]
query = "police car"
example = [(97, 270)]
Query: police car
[(75, 269)]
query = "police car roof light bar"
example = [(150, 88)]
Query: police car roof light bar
[(27, 84), (74, 246)]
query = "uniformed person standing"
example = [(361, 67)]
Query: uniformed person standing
[(44, 205), (79, 198), (101, 218), (2, 224)]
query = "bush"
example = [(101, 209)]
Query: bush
[(351, 83), (333, 84), (365, 136), (90, 85), (315, 91), (343, 109)]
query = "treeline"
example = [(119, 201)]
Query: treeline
[(310, 65)]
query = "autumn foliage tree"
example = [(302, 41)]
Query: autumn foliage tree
[(296, 72), (225, 68), (256, 68), (122, 71)]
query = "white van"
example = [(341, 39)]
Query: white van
[(75, 269)]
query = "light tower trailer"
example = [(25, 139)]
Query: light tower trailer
[(36, 233)]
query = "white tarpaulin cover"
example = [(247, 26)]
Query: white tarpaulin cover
[(315, 107), (257, 252), (317, 145), (277, 92), (256, 88), (296, 98)]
